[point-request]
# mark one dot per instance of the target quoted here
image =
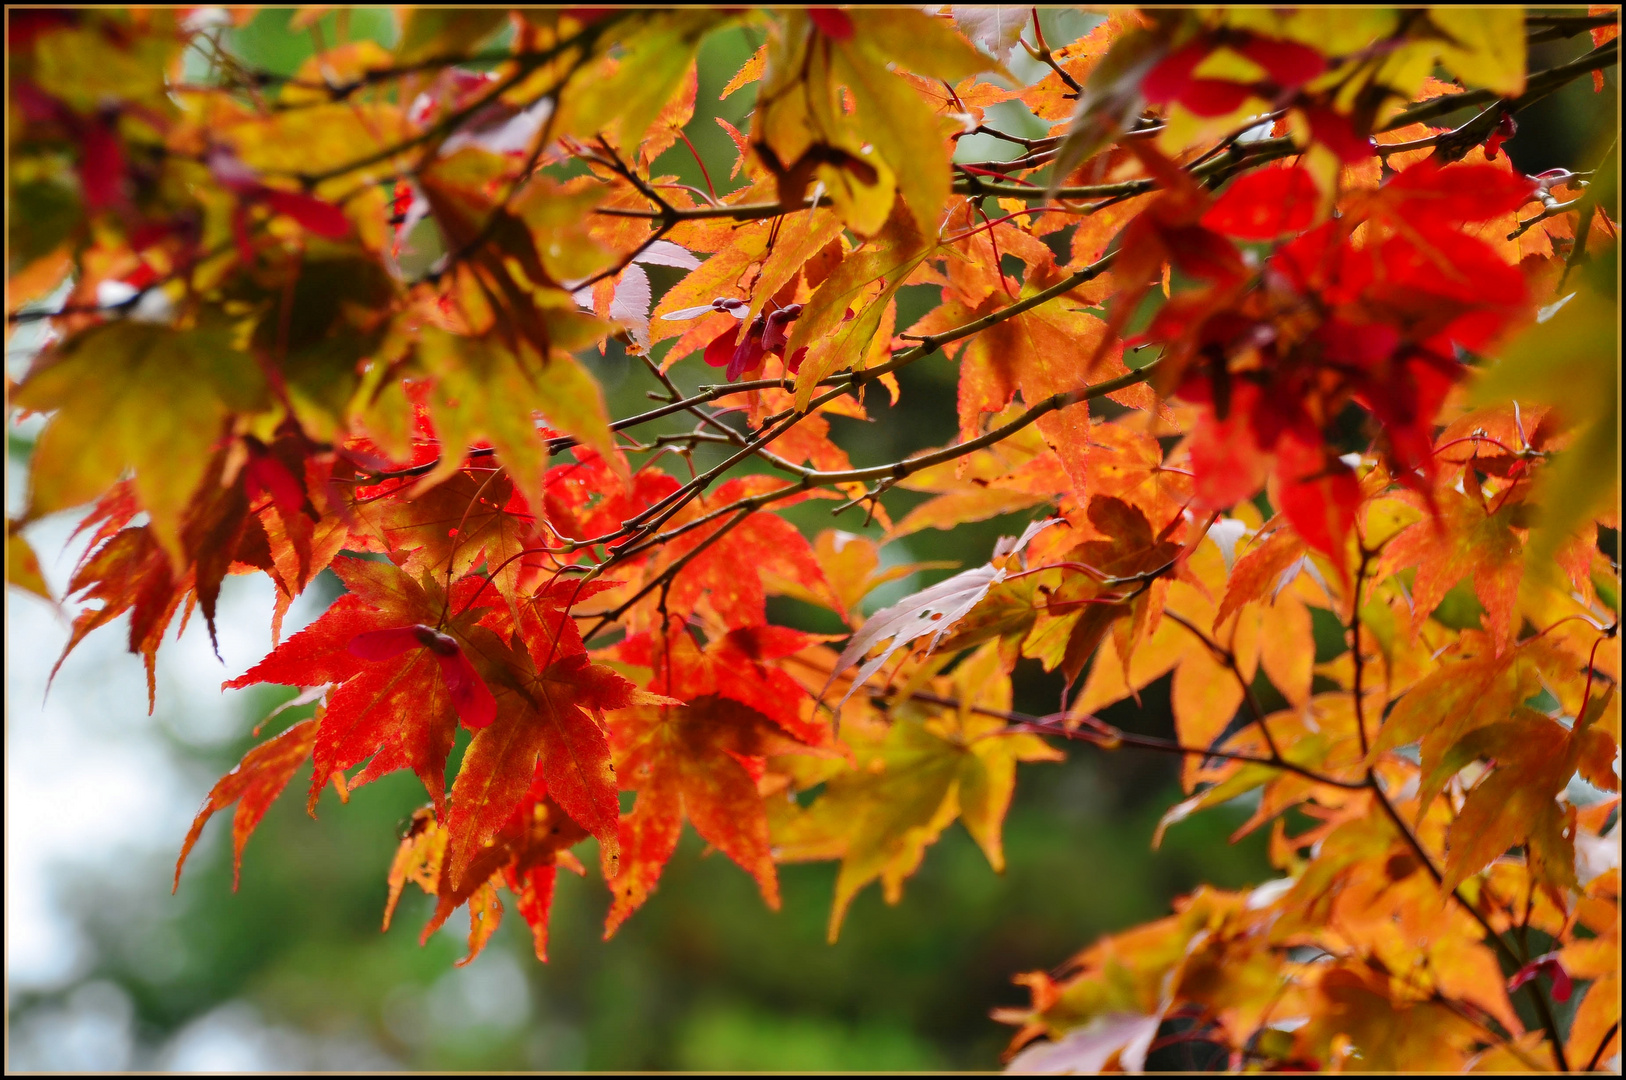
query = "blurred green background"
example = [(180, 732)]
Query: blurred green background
[(293, 972)]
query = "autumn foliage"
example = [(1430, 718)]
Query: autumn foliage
[(1254, 344)]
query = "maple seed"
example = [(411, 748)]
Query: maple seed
[(1549, 965)]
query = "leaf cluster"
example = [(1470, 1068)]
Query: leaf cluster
[(335, 322)]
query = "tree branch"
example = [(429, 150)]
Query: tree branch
[(1108, 737), (1228, 658), (1543, 1010), (1536, 86), (846, 381), (1360, 666)]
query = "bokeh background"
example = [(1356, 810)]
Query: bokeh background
[(106, 970)]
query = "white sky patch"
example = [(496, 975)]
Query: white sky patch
[(92, 785)]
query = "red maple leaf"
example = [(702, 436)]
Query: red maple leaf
[(525, 855), (702, 761), (400, 684), (254, 785), (588, 499), (1265, 204), (737, 666), (699, 762), (726, 575), (548, 720)]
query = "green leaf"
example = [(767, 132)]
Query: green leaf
[(622, 103), (136, 396), (483, 391), (1570, 362), (433, 32), (1489, 46)]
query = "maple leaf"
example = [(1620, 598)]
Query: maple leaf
[(694, 762), (1286, 645), (525, 856), (1125, 1037), (1059, 617), (541, 617), (1177, 78), (128, 573), (1113, 996), (1011, 612), (702, 761), (909, 782), (1206, 690), (672, 119), (1260, 571), (254, 785), (852, 568), (1041, 353), (1474, 687), (451, 529), (798, 242), (726, 576), (1592, 1032), (399, 684), (1564, 363), (933, 611), (799, 132), (1122, 51), (996, 28), (1469, 538), (511, 331), (1600, 36), (469, 694), (846, 310), (739, 665), (484, 391), (1319, 495), (1015, 474), (1265, 204), (135, 396), (1516, 803), (1167, 232), (547, 721), (22, 565), (621, 97), (295, 551), (589, 497)]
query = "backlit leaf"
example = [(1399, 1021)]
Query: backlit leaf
[(254, 785), (135, 396)]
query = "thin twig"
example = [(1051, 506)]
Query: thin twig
[(1228, 658), (1544, 1011), (1597, 1055), (1355, 631)]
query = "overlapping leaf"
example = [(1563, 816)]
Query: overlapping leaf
[(910, 781)]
